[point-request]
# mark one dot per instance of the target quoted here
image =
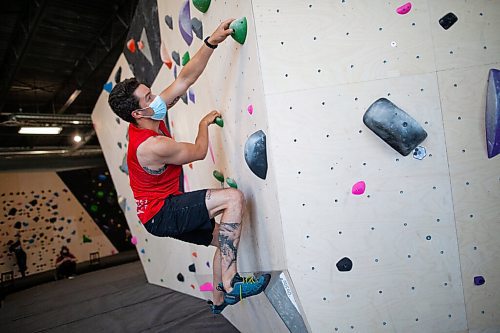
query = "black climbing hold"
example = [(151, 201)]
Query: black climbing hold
[(184, 98), (12, 211), (117, 120), (176, 57), (33, 202), (118, 75), (256, 155), (197, 27), (344, 264), (169, 22), (397, 128), (192, 268), (180, 277), (448, 20), (479, 280), (17, 225), (119, 145)]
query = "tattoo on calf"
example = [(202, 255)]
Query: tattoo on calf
[(208, 194), (228, 243)]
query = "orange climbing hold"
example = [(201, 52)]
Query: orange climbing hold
[(195, 254), (131, 45)]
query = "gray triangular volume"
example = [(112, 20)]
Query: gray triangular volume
[(146, 50), (197, 27), (256, 154), (280, 294)]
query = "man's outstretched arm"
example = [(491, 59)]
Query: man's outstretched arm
[(193, 69)]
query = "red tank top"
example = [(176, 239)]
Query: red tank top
[(150, 190)]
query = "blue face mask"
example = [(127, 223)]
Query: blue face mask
[(159, 109)]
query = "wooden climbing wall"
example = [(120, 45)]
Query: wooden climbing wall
[(308, 71), (424, 228)]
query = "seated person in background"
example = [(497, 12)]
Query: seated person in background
[(65, 264)]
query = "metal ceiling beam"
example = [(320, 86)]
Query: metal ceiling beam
[(26, 29), (111, 36)]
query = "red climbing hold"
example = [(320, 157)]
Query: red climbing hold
[(194, 254), (131, 45), (140, 45)]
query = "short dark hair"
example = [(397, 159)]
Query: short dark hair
[(123, 101)]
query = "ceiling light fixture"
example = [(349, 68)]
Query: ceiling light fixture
[(40, 130)]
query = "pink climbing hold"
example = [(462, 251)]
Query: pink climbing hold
[(133, 240), (404, 9), (359, 188), (211, 151), (187, 188), (207, 287), (250, 109)]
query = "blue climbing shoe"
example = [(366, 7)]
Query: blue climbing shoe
[(245, 287), (217, 309)]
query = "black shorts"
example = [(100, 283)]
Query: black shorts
[(184, 217)]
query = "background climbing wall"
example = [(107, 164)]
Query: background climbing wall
[(39, 208), (231, 84), (421, 231), (424, 228)]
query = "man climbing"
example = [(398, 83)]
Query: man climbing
[(155, 163)]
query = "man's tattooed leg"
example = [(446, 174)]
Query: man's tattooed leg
[(208, 194), (229, 237)]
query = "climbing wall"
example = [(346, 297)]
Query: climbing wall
[(358, 237), (232, 85), (423, 228), (46, 215)]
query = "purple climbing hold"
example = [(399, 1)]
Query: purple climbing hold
[(493, 113), (185, 23), (479, 280), (191, 95)]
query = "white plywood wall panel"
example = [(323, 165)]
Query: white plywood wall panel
[(475, 183), (230, 84), (311, 44), (399, 277), (473, 40)]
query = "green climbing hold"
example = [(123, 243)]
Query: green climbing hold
[(231, 183), (86, 239), (202, 5), (100, 194), (94, 208), (185, 58), (219, 176), (219, 121), (239, 30)]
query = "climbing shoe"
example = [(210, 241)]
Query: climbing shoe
[(244, 287)]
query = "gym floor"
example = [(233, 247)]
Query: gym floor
[(116, 299)]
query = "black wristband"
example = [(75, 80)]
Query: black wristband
[(208, 44)]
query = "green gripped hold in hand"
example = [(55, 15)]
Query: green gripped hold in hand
[(219, 121), (219, 176), (239, 30), (231, 182)]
